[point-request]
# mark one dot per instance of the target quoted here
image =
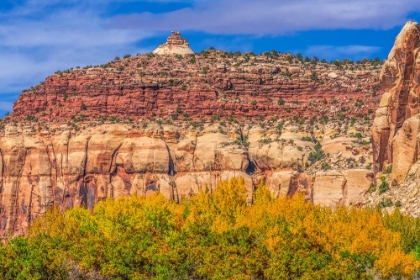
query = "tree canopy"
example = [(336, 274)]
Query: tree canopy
[(214, 236)]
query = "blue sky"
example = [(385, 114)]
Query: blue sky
[(39, 37)]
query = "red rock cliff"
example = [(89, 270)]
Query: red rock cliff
[(202, 85)]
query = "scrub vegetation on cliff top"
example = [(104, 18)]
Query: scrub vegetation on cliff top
[(214, 236)]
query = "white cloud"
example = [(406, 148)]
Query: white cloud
[(264, 17), (39, 37)]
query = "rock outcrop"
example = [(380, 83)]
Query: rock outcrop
[(174, 45), (396, 125), (396, 128)]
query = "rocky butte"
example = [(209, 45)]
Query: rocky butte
[(177, 123), (174, 45)]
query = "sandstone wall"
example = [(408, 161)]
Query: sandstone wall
[(61, 166), (396, 125)]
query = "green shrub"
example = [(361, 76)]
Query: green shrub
[(325, 166), (388, 169), (280, 102), (372, 188), (383, 186), (358, 135), (385, 203), (307, 138)]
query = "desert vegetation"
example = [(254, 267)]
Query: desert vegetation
[(214, 236)]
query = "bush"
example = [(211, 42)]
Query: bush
[(281, 102), (308, 138), (242, 140), (314, 76), (383, 186), (325, 166), (372, 188), (385, 203), (203, 236), (358, 135), (216, 117), (388, 169)]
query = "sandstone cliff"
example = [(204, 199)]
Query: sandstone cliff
[(47, 164), (396, 138)]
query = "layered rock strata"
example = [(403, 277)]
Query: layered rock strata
[(61, 165), (204, 85)]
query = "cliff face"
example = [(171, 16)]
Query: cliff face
[(59, 165), (396, 125), (203, 85), (179, 124)]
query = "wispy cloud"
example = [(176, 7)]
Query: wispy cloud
[(37, 39), (332, 52), (264, 17)]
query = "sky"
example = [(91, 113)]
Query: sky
[(39, 37)]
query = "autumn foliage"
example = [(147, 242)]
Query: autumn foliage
[(217, 236)]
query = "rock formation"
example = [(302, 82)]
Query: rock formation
[(205, 85), (81, 163), (396, 125), (174, 45), (396, 128), (179, 124)]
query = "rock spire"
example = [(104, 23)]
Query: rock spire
[(395, 132), (175, 44)]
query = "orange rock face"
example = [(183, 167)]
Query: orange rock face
[(396, 125)]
